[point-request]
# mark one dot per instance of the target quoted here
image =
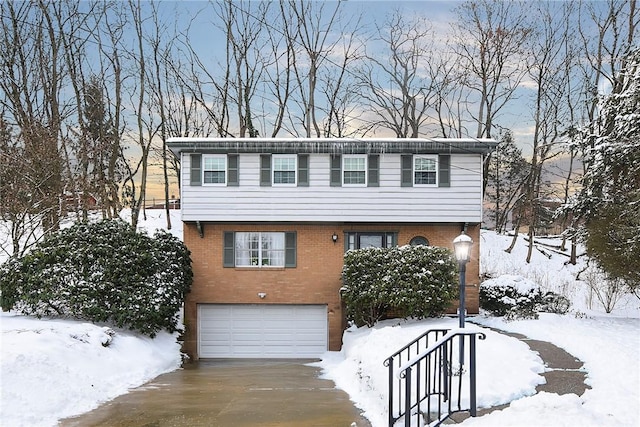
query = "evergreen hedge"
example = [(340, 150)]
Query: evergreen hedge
[(515, 297), (410, 281), (511, 296), (102, 272)]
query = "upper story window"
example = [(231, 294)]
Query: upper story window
[(425, 170), (284, 169), (214, 169), (354, 170), (259, 249)]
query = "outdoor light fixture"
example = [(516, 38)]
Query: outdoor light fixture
[(462, 248), (334, 237), (200, 228)]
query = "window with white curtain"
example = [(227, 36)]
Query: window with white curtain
[(259, 249)]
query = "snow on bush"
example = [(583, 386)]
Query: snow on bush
[(511, 296), (101, 272), (411, 281)]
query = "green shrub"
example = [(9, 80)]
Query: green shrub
[(102, 272), (412, 281), (511, 296)]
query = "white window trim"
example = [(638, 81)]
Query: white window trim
[(413, 169), (226, 170), (273, 169), (366, 169)]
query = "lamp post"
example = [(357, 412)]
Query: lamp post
[(462, 248)]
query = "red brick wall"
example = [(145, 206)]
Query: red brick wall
[(315, 280)]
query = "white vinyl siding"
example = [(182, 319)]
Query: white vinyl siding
[(460, 202), (261, 331)]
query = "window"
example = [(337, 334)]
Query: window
[(287, 170), (259, 249), (214, 169), (425, 170), (370, 240), (284, 170), (419, 241), (354, 170)]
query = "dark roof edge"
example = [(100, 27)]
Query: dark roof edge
[(332, 145)]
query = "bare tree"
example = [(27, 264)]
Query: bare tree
[(491, 37), (340, 88), (310, 26), (279, 74), (546, 66), (449, 94), (244, 30), (109, 38), (144, 131), (33, 69), (157, 88), (210, 90), (394, 86), (20, 212)]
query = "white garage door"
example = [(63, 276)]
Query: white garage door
[(261, 331)]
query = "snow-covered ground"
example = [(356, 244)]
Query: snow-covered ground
[(52, 369), (608, 344)]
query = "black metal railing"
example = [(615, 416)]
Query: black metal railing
[(427, 376)]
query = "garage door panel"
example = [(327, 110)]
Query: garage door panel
[(262, 330)]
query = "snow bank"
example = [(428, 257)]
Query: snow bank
[(507, 368), (53, 369)]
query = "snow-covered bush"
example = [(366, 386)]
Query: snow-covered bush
[(511, 296), (102, 272), (410, 281)]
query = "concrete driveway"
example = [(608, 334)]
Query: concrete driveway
[(230, 393)]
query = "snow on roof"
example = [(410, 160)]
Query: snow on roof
[(332, 145)]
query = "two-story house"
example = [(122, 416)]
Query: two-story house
[(268, 222)]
